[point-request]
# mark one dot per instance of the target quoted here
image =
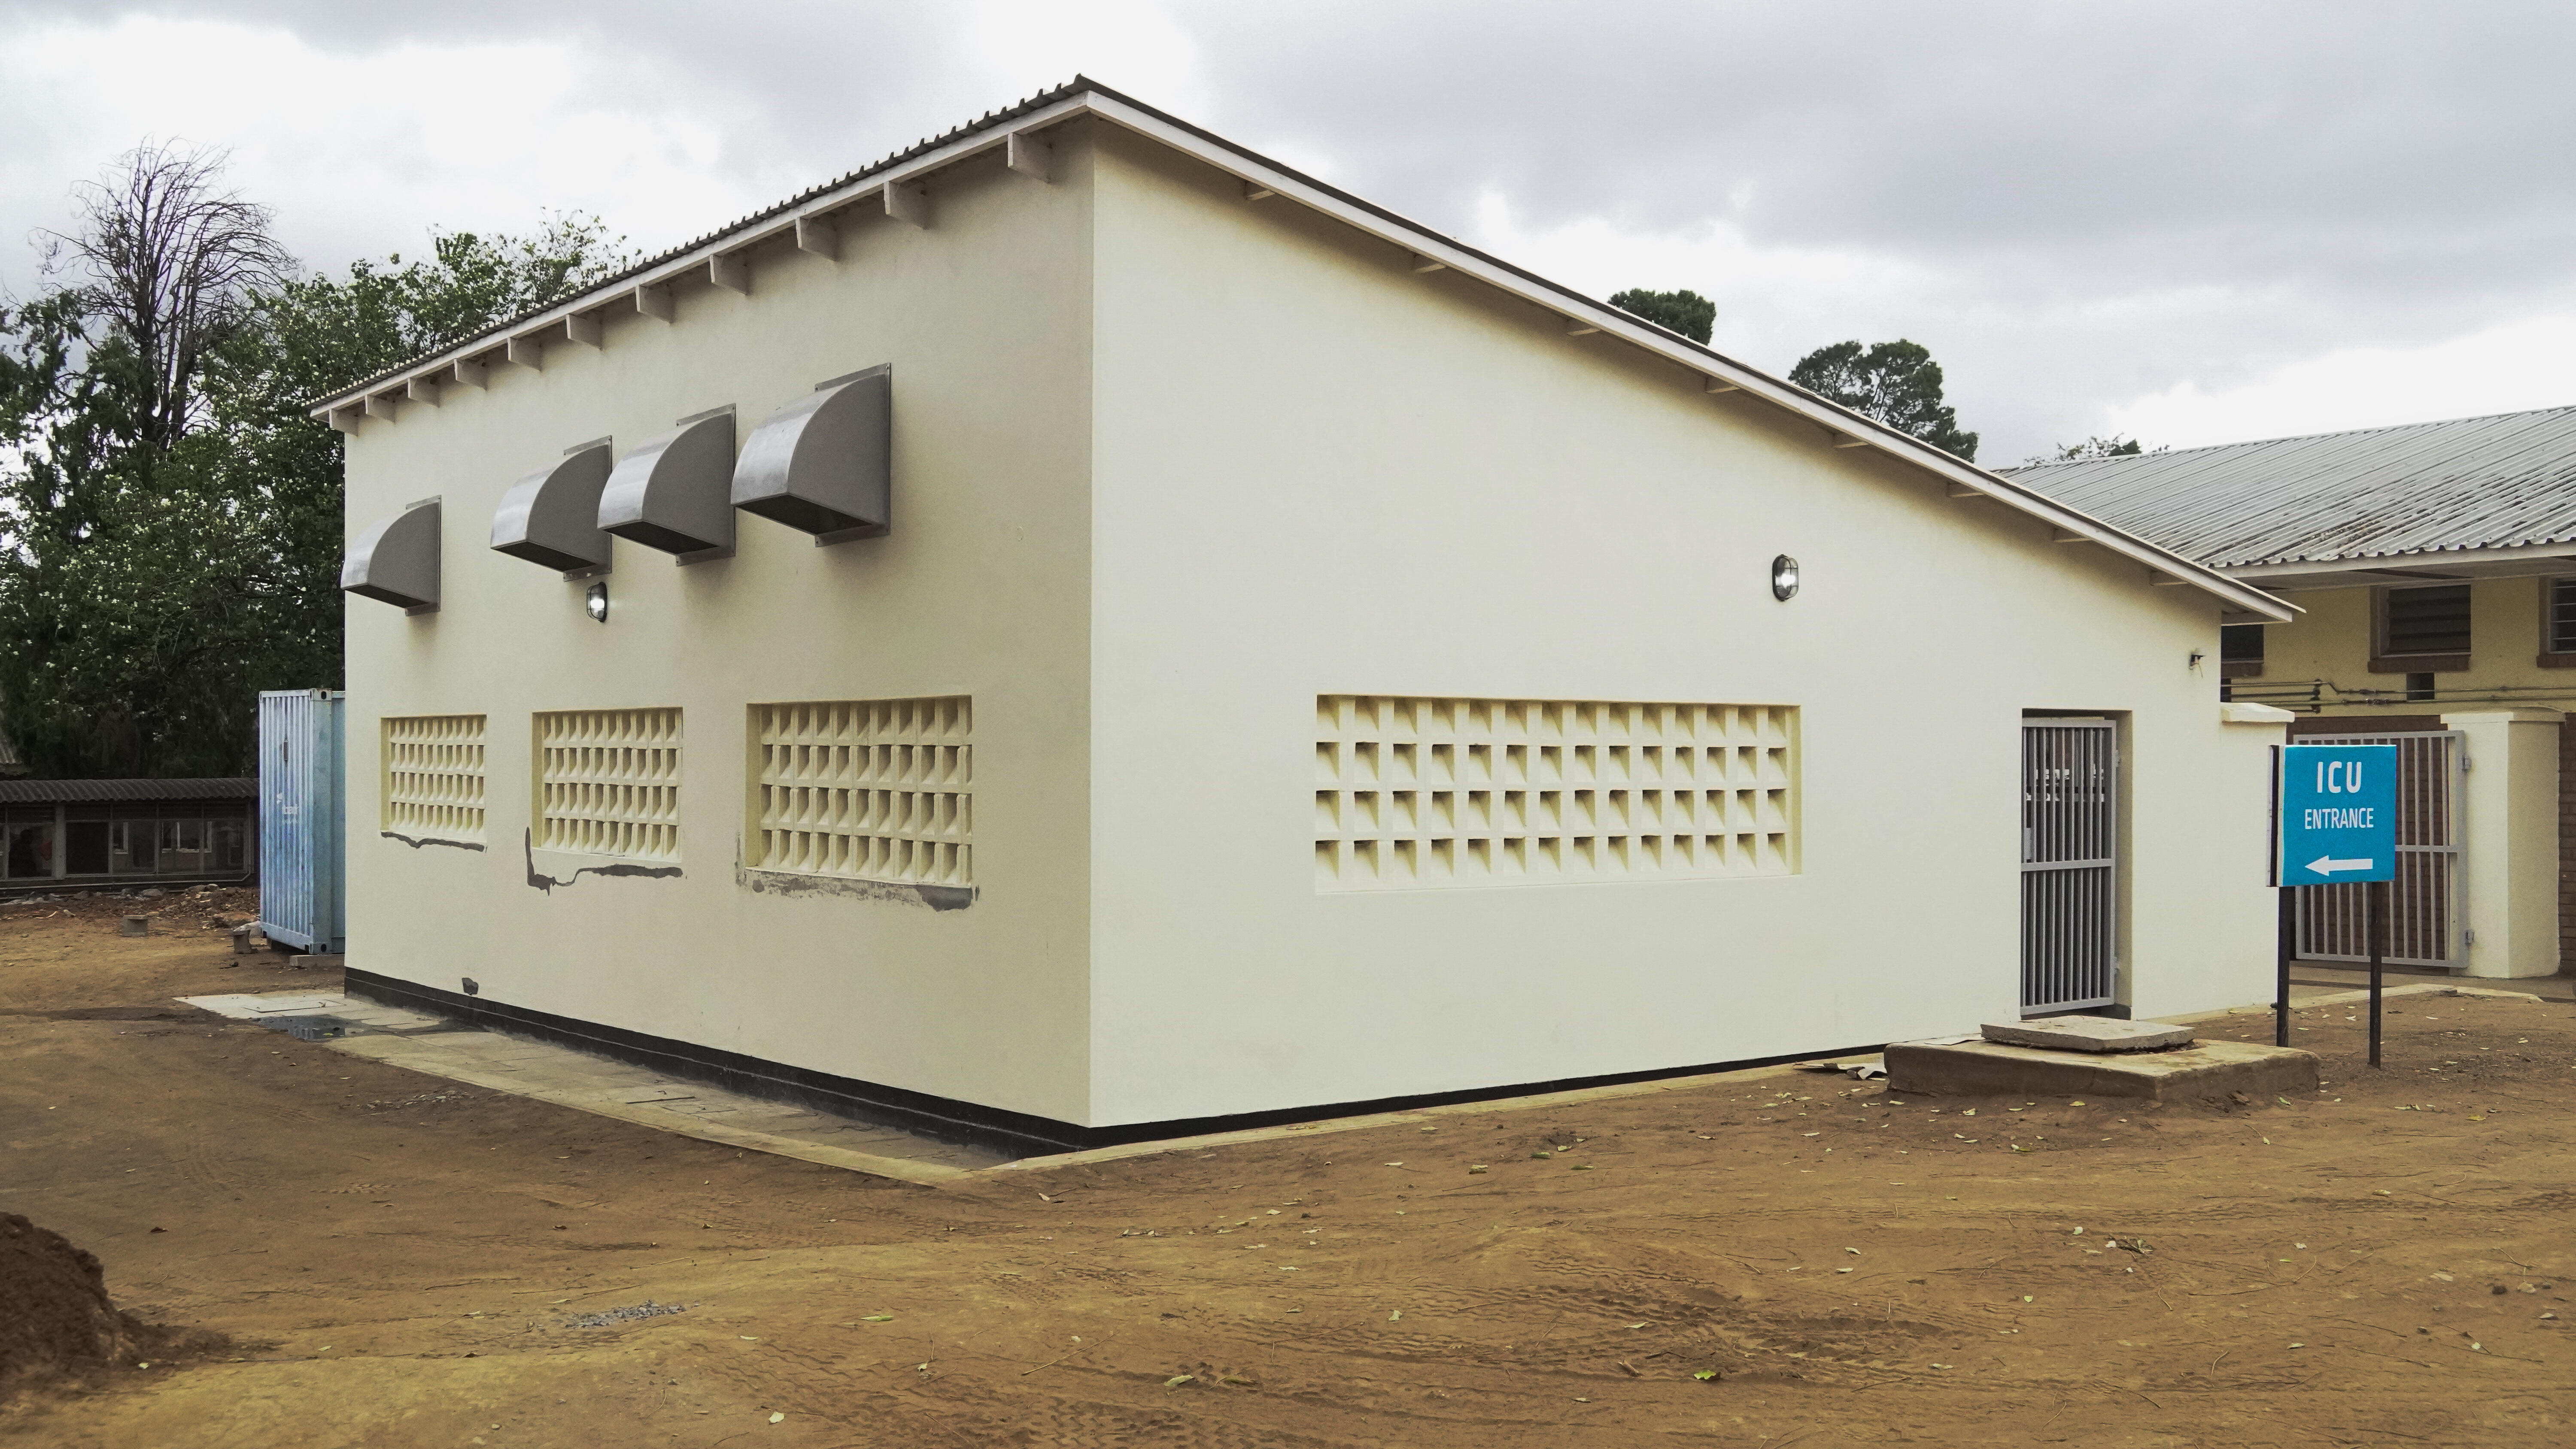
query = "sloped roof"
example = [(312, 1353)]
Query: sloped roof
[(85, 792), (2414, 492), (383, 396)]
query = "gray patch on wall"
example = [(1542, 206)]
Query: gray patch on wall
[(417, 844), (936, 897), (547, 883)]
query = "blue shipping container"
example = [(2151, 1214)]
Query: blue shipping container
[(303, 779)]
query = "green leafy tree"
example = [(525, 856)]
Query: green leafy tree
[(1896, 383), (1688, 313), (170, 519)]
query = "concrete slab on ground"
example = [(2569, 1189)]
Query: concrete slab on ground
[(2305, 997), (441, 1047), (2182, 1074), (2088, 1034), (2343, 976)]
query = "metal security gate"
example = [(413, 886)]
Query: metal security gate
[(2069, 850), (2426, 920)]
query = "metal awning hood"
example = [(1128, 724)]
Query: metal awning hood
[(675, 492), (396, 562), (551, 516), (823, 463)]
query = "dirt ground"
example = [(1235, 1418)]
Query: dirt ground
[(1781, 1260)]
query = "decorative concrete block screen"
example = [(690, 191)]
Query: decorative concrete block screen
[(874, 789), (433, 776), (608, 782), (1416, 793)]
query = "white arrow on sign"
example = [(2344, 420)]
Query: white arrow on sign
[(2324, 865)]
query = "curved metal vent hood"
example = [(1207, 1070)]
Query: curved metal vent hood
[(396, 562), (675, 492), (821, 464), (551, 517)]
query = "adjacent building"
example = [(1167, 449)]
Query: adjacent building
[(115, 834), (1081, 628), (2434, 565)]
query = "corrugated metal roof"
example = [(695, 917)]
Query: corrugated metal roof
[(609, 285), (82, 792), (2505, 481)]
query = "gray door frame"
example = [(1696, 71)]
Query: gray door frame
[(2070, 864)]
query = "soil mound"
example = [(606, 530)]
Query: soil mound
[(55, 1316)]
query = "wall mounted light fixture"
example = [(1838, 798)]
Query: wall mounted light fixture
[(595, 602), (1784, 578)]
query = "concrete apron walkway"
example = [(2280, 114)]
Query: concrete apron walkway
[(2312, 977), (439, 1047)]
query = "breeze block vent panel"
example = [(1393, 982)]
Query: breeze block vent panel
[(608, 782), (433, 777), (1414, 793), (877, 790)]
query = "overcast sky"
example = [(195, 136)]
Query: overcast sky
[(2188, 222)]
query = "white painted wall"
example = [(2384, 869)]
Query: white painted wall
[(1317, 472), (2509, 838), (1170, 464), (979, 590)]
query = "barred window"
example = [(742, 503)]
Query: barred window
[(2431, 620)]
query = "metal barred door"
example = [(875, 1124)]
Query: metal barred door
[(2427, 919), (2069, 849)]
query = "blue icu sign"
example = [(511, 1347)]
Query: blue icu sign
[(2338, 814)]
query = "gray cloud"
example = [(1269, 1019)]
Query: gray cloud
[(2085, 202)]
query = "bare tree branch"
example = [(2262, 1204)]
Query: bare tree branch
[(172, 261)]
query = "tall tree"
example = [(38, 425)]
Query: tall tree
[(1687, 313), (170, 539), (168, 262), (1897, 383)]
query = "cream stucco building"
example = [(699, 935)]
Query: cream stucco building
[(1210, 647)]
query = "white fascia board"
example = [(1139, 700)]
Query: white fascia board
[(2399, 562), (693, 262)]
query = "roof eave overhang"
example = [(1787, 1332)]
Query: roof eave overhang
[(2425, 566), (1262, 174), (695, 260)]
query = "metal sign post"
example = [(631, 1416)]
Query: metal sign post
[(2334, 822), (2286, 943)]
